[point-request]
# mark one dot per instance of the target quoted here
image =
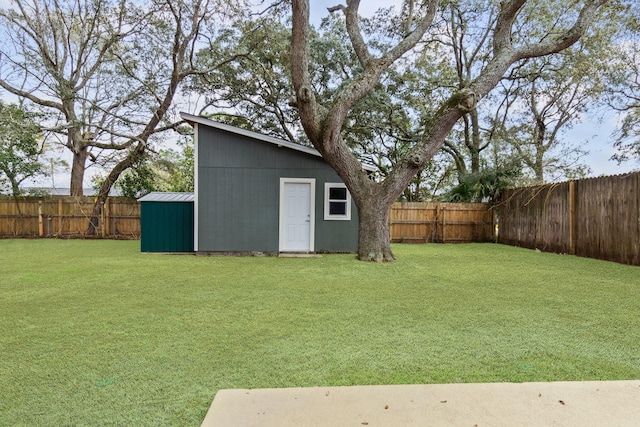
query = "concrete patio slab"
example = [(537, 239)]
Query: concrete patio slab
[(607, 403)]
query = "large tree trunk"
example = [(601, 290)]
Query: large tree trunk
[(77, 172), (374, 239)]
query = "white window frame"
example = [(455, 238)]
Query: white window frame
[(329, 217)]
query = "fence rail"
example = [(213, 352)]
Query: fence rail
[(55, 216), (595, 218), (419, 222)]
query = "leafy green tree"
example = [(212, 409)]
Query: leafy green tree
[(547, 97), (465, 43), (168, 170), (624, 88), (110, 71), (176, 168), (137, 181), (536, 104), (484, 185), (62, 57), (21, 147), (254, 90), (517, 34)]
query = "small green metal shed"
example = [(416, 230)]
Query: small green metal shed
[(166, 222)]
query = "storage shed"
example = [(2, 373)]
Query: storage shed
[(257, 193), (166, 222)]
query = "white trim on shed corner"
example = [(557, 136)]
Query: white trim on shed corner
[(312, 213), (195, 187)]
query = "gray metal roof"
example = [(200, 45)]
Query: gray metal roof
[(258, 136), (157, 196)]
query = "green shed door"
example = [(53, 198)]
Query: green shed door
[(166, 226)]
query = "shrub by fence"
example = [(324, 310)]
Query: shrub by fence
[(419, 222), (55, 216), (596, 218)]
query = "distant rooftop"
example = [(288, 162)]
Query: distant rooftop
[(66, 191)]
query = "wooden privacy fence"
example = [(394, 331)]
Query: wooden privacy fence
[(420, 222), (596, 218), (55, 216)]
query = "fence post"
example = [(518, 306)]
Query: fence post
[(572, 217), (60, 213), (444, 223), (107, 212), (40, 220), (435, 225), (102, 220)]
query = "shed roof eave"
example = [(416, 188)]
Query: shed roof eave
[(168, 197), (190, 118)]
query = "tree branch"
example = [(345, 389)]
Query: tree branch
[(30, 96), (565, 40), (504, 24), (305, 97), (355, 34)]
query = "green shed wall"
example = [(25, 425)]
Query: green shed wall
[(166, 226)]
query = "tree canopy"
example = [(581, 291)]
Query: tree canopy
[(518, 32), (21, 146)]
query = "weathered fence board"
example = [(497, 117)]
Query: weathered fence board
[(607, 220), (596, 218), (67, 217), (533, 217), (418, 222)]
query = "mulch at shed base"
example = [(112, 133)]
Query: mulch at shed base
[(593, 403)]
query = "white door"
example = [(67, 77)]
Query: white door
[(297, 215)]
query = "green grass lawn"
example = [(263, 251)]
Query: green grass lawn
[(97, 333)]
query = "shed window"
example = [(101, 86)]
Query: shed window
[(337, 202)]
